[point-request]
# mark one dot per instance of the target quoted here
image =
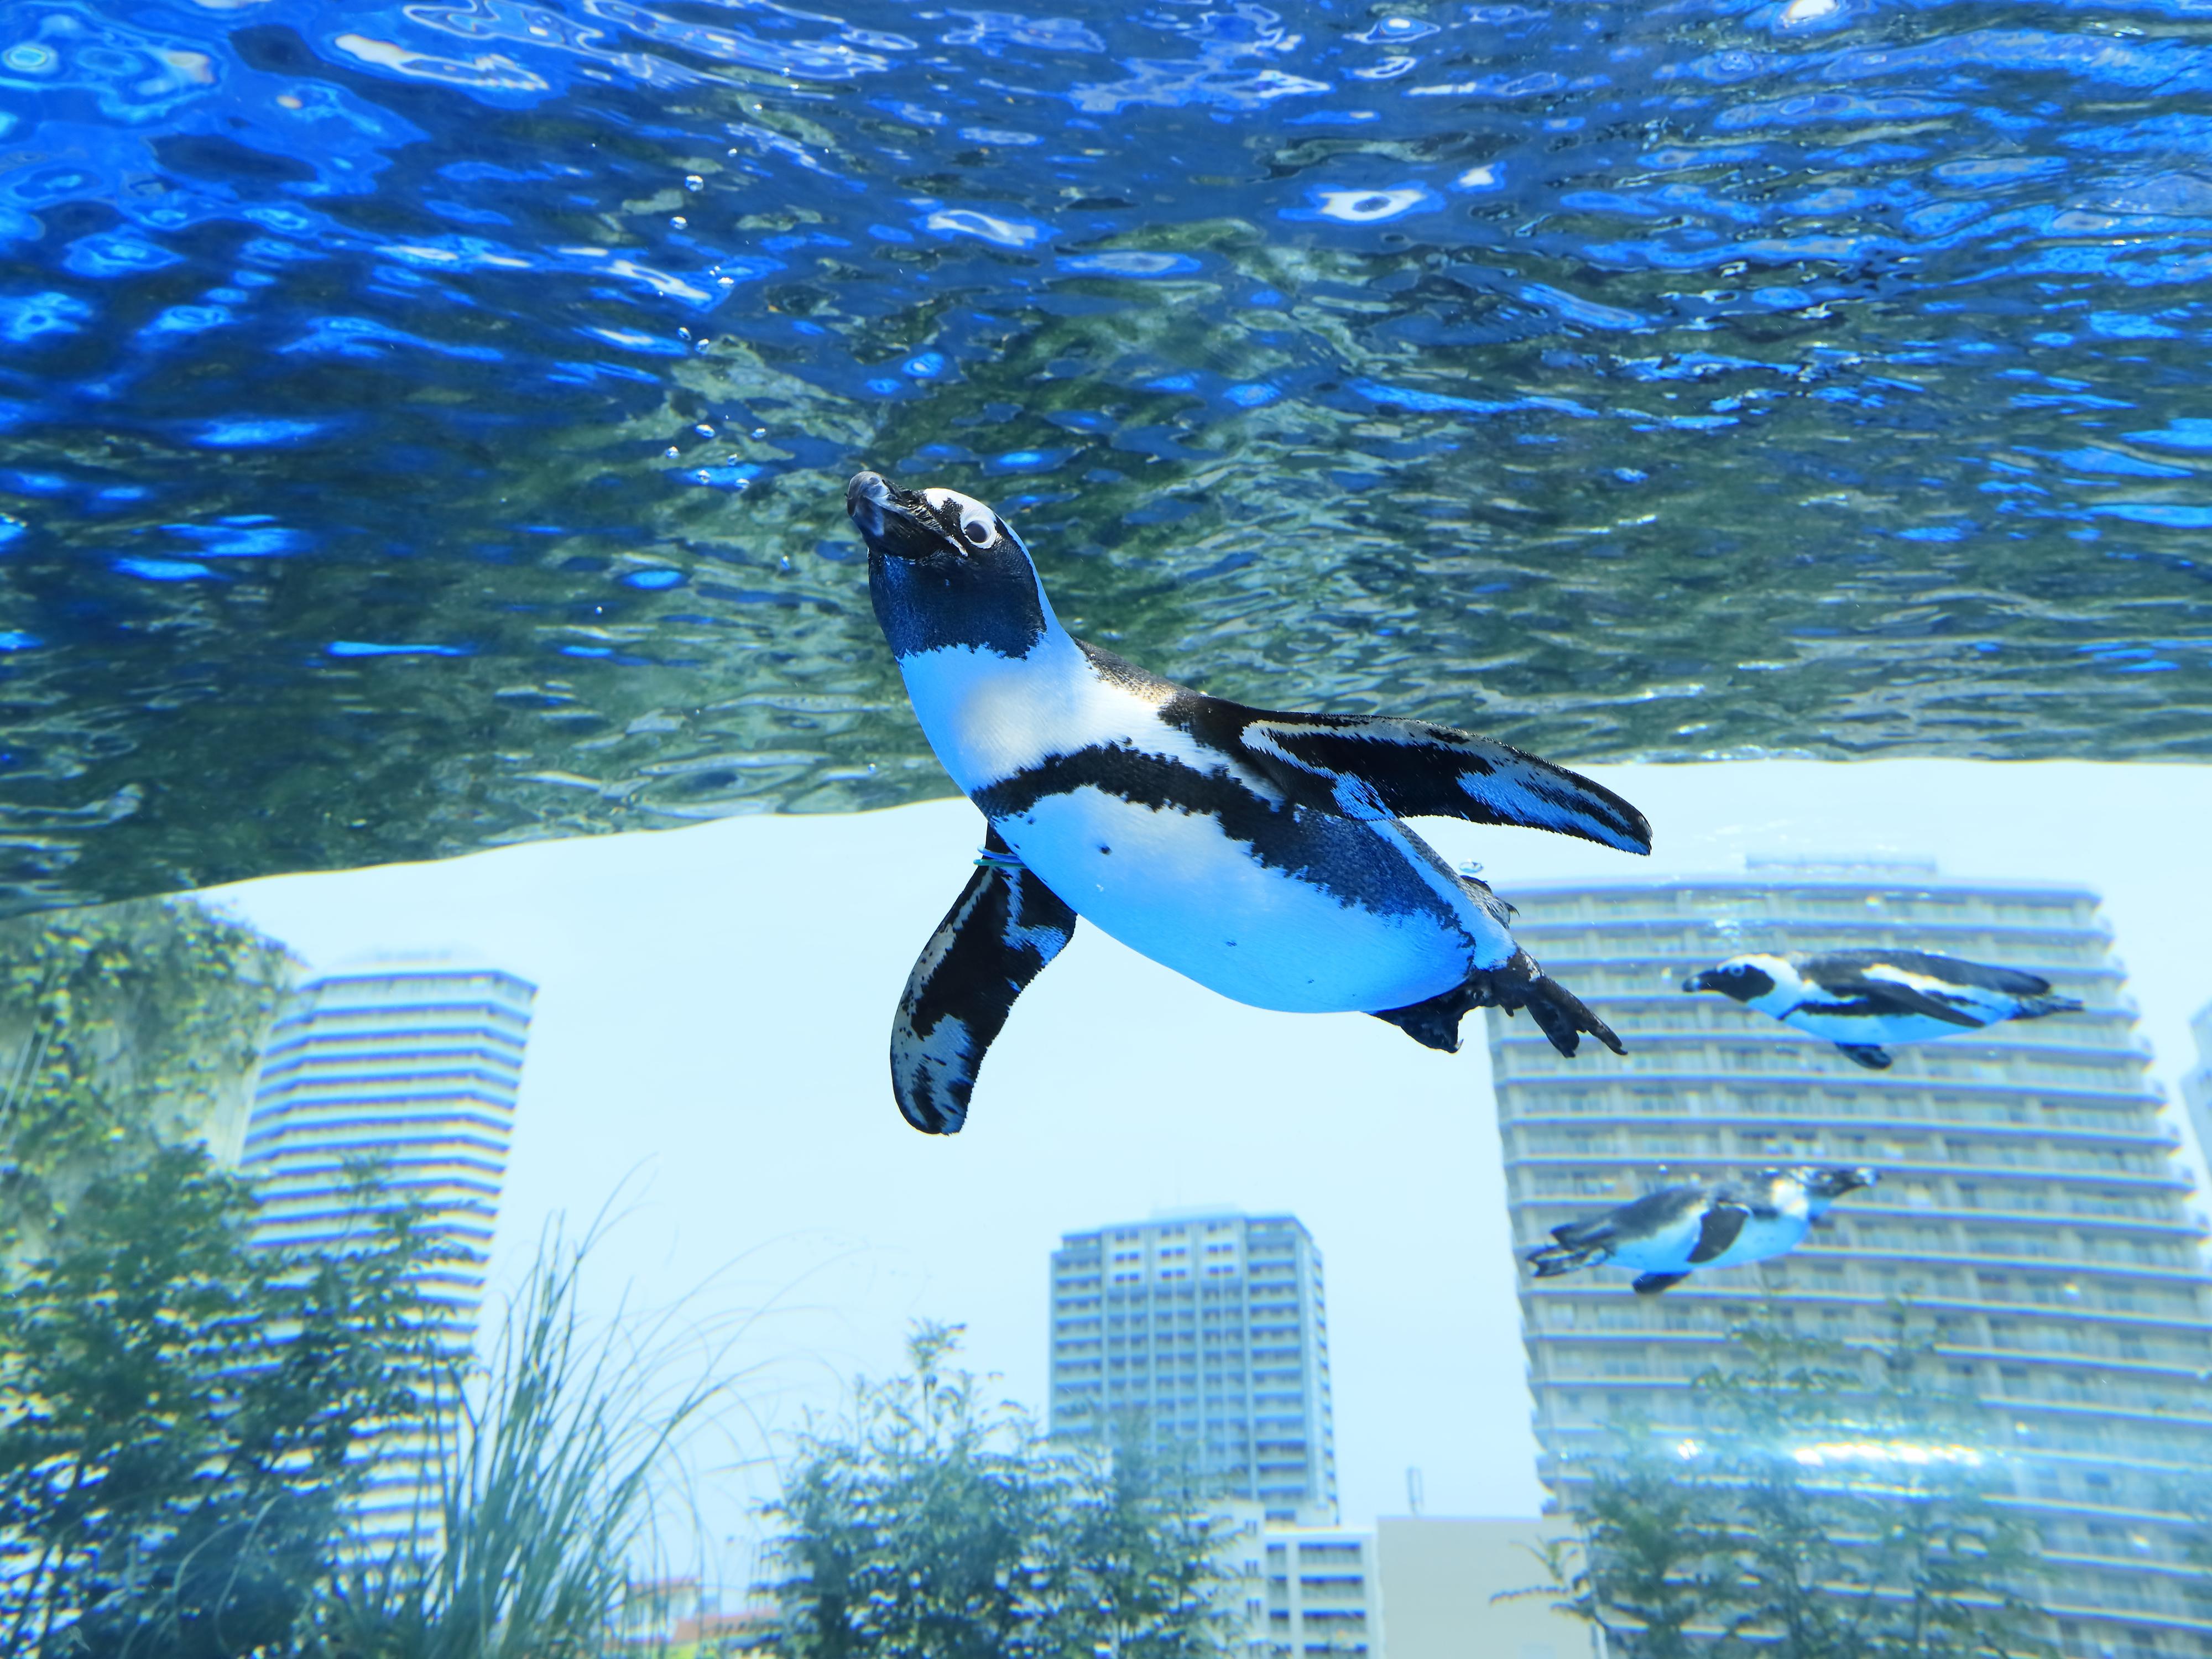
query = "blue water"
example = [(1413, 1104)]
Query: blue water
[(425, 425)]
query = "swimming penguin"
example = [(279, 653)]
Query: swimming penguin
[(1668, 1235), (1259, 852), (1861, 1000)]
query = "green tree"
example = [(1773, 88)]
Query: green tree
[(181, 1412), (910, 1534), (1652, 1561), (937, 1526), (1835, 1504), (1128, 1568), (121, 1027)]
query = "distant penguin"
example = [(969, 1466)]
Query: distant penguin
[(1665, 1236), (1866, 1002), (1259, 852)]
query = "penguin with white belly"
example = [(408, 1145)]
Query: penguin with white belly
[(1261, 853), (1867, 1002), (1665, 1236)]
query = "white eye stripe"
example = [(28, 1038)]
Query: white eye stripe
[(979, 526)]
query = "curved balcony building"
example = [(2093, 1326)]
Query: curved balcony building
[(409, 1068), (2032, 1203)]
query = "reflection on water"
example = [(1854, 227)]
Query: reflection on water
[(424, 423)]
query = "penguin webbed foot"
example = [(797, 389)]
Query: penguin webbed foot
[(1867, 1055), (1557, 1012), (1550, 1260)]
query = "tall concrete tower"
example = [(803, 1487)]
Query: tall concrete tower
[(1209, 1327), (2032, 1203), (411, 1066)]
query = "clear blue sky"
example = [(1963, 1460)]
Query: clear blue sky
[(710, 1053)]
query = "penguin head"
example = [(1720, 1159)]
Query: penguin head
[(1824, 1186), (944, 570), (1745, 978)]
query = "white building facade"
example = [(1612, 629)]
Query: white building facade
[(405, 1072), (2031, 1203), (1324, 1594), (1210, 1331)]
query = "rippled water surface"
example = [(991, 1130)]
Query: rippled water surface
[(425, 426)]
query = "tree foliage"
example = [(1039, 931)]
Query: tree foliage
[(182, 1412), (938, 1526), (179, 1412), (121, 1027), (1835, 1504)]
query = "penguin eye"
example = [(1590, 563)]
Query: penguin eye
[(977, 530)]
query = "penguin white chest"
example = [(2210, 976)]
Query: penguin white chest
[(1152, 836), (1181, 887)]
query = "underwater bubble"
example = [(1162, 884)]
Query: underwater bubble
[(722, 477)]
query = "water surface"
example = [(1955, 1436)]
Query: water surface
[(425, 426)]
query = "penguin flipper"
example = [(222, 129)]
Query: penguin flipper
[(1373, 766), (1652, 1284), (1867, 1055), (1717, 1230), (1882, 989), (1004, 928)]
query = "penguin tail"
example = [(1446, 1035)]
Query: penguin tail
[(1550, 1260), (2036, 1007)]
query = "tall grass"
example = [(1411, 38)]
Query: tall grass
[(551, 1469)]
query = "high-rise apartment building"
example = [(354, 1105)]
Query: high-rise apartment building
[(1210, 1328), (2031, 1201), (409, 1068)]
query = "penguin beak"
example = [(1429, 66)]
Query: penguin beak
[(894, 522), (1695, 982), (1858, 1178)]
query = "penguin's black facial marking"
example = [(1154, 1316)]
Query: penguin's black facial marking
[(1835, 1182), (945, 571), (1739, 979)]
